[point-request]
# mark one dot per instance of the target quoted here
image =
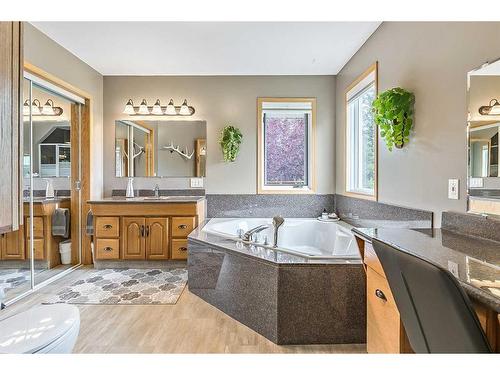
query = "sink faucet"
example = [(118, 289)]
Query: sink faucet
[(247, 236), (157, 191), (277, 223)]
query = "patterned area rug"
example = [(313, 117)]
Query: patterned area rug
[(11, 278), (125, 286)]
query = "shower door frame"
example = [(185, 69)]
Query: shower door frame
[(80, 142)]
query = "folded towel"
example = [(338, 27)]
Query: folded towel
[(90, 223), (60, 222)]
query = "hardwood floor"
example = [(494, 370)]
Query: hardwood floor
[(190, 326)]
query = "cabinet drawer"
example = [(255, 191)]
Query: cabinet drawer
[(38, 248), (37, 227), (107, 248), (383, 326), (371, 259), (107, 226), (179, 249), (182, 226)]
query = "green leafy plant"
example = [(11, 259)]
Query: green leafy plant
[(230, 141), (394, 116)]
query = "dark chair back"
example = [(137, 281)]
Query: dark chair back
[(437, 314)]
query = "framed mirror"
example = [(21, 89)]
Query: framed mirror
[(160, 148), (483, 177)]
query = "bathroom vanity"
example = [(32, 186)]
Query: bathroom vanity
[(145, 228), (477, 267), (13, 245)]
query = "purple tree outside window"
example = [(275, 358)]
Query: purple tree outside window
[(285, 149)]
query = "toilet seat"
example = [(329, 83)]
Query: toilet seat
[(43, 329)]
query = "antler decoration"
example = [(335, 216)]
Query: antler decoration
[(184, 153)]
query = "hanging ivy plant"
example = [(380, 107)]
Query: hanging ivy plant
[(394, 116), (230, 141)]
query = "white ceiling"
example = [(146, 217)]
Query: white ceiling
[(211, 48)]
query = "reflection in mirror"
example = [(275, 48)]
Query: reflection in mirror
[(160, 148), (483, 129)]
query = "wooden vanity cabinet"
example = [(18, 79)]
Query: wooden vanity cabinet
[(12, 245), (146, 231), (385, 332)]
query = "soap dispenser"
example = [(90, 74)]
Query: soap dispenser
[(130, 188), (49, 189)]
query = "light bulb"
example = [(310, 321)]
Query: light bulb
[(157, 108), (129, 108), (143, 108), (48, 108), (494, 108), (184, 109), (35, 108), (171, 108)]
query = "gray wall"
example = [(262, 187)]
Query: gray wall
[(220, 101), (432, 60), (44, 53)]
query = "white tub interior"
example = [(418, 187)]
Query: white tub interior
[(305, 237)]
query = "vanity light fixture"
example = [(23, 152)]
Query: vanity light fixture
[(157, 109), (48, 109), (184, 111), (143, 108), (129, 108), (171, 108), (493, 109)]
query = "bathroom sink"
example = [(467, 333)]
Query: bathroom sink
[(156, 198)]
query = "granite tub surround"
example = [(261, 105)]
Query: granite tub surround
[(268, 205), (472, 224), (287, 298), (478, 259), (365, 213)]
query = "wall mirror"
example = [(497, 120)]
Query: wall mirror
[(483, 182), (160, 148)]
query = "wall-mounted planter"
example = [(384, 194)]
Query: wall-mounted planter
[(393, 110), (230, 141)]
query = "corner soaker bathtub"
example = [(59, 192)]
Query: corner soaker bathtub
[(308, 290)]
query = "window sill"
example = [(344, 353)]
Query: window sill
[(359, 195), (285, 191)]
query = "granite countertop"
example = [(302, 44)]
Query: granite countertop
[(378, 223), (44, 200), (162, 199), (478, 259)]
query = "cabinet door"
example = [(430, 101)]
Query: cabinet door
[(134, 244), (13, 245), (157, 238)]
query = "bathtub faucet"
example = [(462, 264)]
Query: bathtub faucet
[(277, 223), (247, 236)]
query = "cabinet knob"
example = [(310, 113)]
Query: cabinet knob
[(108, 226), (380, 294), (182, 226), (108, 248), (183, 248)]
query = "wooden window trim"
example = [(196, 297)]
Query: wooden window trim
[(260, 146), (373, 197)]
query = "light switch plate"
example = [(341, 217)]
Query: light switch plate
[(453, 188), (453, 268), (196, 182)]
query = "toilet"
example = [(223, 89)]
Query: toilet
[(42, 329)]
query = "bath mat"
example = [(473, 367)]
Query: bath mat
[(125, 287)]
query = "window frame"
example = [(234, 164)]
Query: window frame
[(311, 167), (355, 86)]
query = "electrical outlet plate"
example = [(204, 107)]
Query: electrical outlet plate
[(453, 268), (196, 182), (453, 188)]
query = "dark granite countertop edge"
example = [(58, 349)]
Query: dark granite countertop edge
[(471, 290), (137, 200)]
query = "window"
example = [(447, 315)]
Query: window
[(286, 145), (361, 136)]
